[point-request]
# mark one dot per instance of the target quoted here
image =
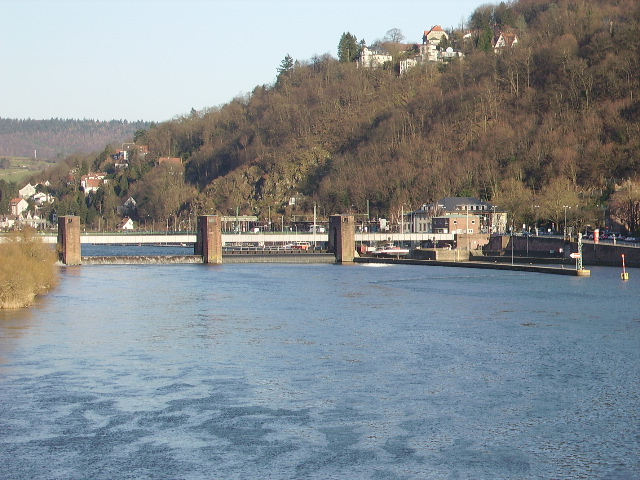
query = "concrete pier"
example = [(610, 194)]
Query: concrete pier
[(209, 239), (342, 237), (69, 249)]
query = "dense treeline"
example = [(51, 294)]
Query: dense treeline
[(8, 190), (57, 138), (549, 123)]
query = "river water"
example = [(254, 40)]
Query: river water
[(285, 371)]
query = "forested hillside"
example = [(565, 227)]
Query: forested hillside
[(552, 121), (57, 138)]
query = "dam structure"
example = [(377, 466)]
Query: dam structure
[(344, 244), (211, 245), (207, 243)]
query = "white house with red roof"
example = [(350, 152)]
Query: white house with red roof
[(126, 224), (434, 36), (504, 39), (91, 182), (18, 205)]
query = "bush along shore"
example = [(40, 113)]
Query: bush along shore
[(28, 268)]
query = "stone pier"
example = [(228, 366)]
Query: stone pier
[(209, 239), (69, 249), (342, 237)]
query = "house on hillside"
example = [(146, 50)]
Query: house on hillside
[(128, 207), (434, 36), (504, 39), (123, 155), (431, 39), (8, 221), (18, 205), (41, 198), (449, 54), (408, 63), (373, 57), (431, 50), (27, 191), (126, 224), (120, 160), (91, 182)]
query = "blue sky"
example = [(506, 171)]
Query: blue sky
[(156, 59)]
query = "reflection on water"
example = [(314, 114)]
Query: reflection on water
[(13, 325), (322, 371)]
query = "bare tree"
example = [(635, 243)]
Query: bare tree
[(394, 36), (625, 205)]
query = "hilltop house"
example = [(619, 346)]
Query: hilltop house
[(431, 50), (434, 36), (373, 57)]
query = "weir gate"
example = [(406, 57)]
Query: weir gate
[(208, 243), (207, 246)]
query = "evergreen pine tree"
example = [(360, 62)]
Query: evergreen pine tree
[(348, 48)]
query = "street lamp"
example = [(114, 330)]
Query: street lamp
[(466, 207), (565, 220), (493, 219)]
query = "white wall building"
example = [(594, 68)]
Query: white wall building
[(373, 57)]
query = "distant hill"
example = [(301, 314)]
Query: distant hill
[(547, 128), (57, 138)]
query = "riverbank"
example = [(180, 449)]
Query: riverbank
[(28, 269)]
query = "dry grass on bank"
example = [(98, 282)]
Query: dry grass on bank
[(27, 268)]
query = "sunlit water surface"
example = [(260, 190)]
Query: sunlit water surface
[(286, 371)]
